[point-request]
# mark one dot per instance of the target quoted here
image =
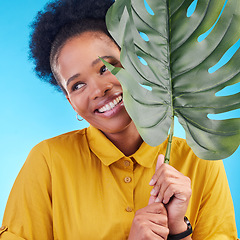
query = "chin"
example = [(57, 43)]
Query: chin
[(125, 125)]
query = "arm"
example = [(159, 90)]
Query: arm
[(211, 204), (167, 205), (173, 189), (28, 213)]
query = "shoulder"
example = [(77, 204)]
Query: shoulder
[(65, 146), (181, 150), (184, 160), (63, 141)]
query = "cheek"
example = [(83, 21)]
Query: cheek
[(115, 81), (79, 104)]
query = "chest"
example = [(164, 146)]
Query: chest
[(94, 201)]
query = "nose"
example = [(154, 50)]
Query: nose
[(99, 88)]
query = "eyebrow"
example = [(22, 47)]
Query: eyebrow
[(93, 64), (103, 57)]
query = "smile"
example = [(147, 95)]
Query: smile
[(110, 105)]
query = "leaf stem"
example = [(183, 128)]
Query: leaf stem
[(169, 144)]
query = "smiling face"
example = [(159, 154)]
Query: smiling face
[(94, 93)]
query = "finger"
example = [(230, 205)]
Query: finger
[(159, 230), (151, 200), (156, 208), (164, 173), (159, 219), (160, 161), (169, 192), (166, 185), (165, 169), (174, 188), (153, 234)]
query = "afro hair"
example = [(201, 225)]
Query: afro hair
[(49, 22)]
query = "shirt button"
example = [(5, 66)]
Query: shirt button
[(127, 179), (3, 228), (126, 163), (129, 209)]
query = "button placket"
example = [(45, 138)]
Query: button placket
[(128, 185)]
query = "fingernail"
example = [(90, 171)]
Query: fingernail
[(157, 200), (152, 192), (151, 182)]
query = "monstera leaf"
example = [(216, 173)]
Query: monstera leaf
[(173, 78)]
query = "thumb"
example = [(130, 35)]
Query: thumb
[(151, 200), (160, 161)]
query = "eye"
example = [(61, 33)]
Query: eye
[(77, 86), (103, 69)]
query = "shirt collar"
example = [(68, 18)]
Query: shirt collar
[(146, 155), (108, 153), (102, 147)]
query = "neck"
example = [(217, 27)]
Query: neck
[(127, 141)]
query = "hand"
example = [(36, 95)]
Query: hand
[(150, 223), (173, 189)]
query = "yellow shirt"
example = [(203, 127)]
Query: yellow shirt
[(80, 186)]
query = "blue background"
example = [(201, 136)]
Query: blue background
[(32, 111)]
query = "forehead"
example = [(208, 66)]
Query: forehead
[(87, 47), (88, 43), (81, 51)]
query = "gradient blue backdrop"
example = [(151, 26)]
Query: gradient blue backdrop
[(32, 111)]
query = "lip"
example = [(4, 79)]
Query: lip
[(110, 112)]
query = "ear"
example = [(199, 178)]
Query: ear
[(70, 102)]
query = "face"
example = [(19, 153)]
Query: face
[(94, 93)]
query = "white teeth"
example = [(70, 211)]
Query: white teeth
[(110, 105)]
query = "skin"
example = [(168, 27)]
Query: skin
[(173, 189), (90, 86), (93, 86)]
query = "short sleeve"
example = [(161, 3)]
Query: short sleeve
[(28, 214), (216, 218), (5, 234)]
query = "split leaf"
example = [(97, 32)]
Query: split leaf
[(167, 49)]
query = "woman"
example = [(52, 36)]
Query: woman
[(104, 182)]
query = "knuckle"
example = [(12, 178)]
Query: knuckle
[(188, 180), (146, 235), (165, 220), (138, 212), (164, 171), (189, 192), (154, 190), (139, 220), (154, 177), (161, 208), (166, 232), (158, 183), (171, 186)]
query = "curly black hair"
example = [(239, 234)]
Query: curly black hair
[(56, 23)]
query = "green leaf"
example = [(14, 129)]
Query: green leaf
[(177, 70)]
